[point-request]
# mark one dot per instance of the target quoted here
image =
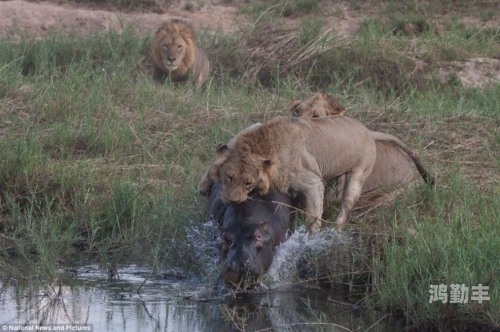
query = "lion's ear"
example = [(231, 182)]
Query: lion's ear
[(221, 148), (334, 105), (323, 96), (266, 163), (294, 102)]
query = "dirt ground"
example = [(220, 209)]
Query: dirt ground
[(39, 18)]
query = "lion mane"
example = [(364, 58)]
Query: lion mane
[(176, 56)]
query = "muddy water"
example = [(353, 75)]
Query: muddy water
[(166, 303)]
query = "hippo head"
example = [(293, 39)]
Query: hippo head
[(247, 250)]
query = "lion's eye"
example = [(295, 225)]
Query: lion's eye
[(229, 179), (179, 47), (165, 47), (296, 112), (248, 184), (315, 116)]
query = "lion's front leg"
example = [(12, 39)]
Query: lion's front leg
[(313, 189), (205, 184), (158, 75)]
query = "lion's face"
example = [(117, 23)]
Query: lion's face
[(173, 49), (317, 106), (242, 174)]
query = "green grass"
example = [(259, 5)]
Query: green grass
[(99, 164), (453, 243)]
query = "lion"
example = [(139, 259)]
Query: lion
[(320, 104), (392, 168), (208, 178), (296, 156), (175, 54)]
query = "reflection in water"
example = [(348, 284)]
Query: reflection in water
[(163, 306)]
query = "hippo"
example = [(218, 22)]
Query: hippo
[(249, 231)]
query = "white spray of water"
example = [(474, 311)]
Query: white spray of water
[(283, 268), (203, 239)]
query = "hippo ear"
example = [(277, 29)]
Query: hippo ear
[(265, 226)]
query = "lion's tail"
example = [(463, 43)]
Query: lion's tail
[(378, 136)]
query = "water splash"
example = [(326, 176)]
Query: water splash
[(202, 241), (283, 270)]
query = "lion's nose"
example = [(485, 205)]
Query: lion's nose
[(171, 59)]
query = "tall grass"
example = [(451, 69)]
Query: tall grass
[(455, 242)]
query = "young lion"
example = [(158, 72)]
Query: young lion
[(391, 167), (295, 156), (207, 180), (176, 56), (318, 105)]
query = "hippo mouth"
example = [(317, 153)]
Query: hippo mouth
[(232, 278), (237, 277)]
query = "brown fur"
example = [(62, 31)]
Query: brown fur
[(175, 54), (391, 169), (295, 156), (208, 178), (318, 105)]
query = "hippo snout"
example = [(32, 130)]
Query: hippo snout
[(243, 268), (232, 266)]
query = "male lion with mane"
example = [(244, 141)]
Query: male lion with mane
[(391, 169), (295, 156), (176, 56)]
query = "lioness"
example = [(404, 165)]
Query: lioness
[(176, 56), (320, 104), (295, 156), (391, 166), (207, 180)]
